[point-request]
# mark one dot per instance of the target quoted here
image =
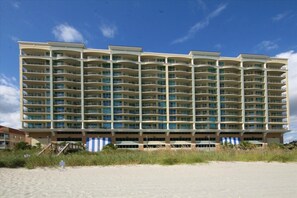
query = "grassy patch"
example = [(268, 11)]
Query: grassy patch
[(14, 159)]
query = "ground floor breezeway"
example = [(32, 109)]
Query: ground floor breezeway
[(155, 140)]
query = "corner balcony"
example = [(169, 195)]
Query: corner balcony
[(36, 88)]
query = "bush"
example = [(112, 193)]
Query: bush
[(38, 145), (109, 147), (22, 146), (291, 145), (227, 146), (246, 145), (12, 162), (275, 146)]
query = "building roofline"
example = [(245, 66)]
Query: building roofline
[(11, 130), (125, 48), (54, 43), (138, 49)]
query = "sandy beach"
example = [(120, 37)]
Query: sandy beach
[(216, 179)]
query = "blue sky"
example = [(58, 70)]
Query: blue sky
[(178, 26)]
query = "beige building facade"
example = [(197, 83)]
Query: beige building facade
[(150, 100), (9, 137)]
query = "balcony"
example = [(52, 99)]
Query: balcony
[(30, 63)]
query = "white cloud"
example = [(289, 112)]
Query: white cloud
[(9, 102), (108, 31), (218, 46), (15, 4), (280, 16), (291, 136), (202, 4), (292, 73), (14, 38), (267, 45), (200, 24), (67, 33)]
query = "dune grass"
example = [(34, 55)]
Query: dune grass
[(14, 159)]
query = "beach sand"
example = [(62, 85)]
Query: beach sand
[(215, 179)]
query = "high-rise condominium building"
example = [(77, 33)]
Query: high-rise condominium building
[(148, 99)]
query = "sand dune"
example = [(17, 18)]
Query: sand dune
[(216, 179)]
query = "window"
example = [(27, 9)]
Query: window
[(172, 97), (161, 82), (117, 103), (172, 111), (162, 104), (106, 125), (106, 73), (106, 103), (117, 110), (161, 60), (106, 95), (118, 125), (171, 82), (221, 63), (105, 58), (172, 104), (106, 80), (162, 118), (106, 110), (212, 112), (116, 58), (172, 118), (106, 117), (162, 126), (162, 90), (162, 111), (161, 97), (116, 117), (106, 88), (172, 126), (212, 119), (212, 105), (161, 75), (213, 126), (117, 95)]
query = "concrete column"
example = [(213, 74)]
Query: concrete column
[(167, 140), (84, 137), (265, 137), (140, 91), (193, 94), (111, 91), (21, 88), (242, 94), (287, 101), (193, 141), (218, 96), (167, 92), (82, 89), (218, 137), (140, 141), (266, 97), (51, 89), (113, 139)]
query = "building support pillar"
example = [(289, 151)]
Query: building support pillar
[(167, 140)]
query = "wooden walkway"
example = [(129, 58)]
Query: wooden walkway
[(58, 148)]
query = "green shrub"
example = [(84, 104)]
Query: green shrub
[(22, 146), (244, 145), (12, 162), (109, 147), (15, 158), (273, 146)]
